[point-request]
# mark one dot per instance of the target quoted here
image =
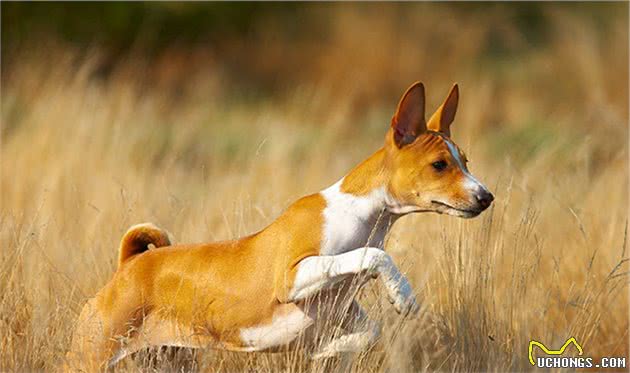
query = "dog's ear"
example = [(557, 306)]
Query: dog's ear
[(408, 121), (443, 117)]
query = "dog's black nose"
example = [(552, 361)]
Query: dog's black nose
[(484, 198)]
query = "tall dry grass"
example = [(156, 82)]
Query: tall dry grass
[(84, 156)]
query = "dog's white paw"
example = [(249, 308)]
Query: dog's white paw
[(400, 295), (399, 291)]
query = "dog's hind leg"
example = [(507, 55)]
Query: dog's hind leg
[(157, 331), (89, 347), (98, 335)]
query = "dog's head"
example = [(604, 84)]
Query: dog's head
[(428, 170)]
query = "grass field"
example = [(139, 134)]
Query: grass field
[(185, 141)]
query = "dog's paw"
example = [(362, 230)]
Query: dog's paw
[(400, 295), (407, 307)]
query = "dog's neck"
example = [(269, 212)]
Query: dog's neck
[(359, 210)]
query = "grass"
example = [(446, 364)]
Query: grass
[(84, 157)]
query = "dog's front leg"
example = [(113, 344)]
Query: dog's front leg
[(317, 273), (361, 334)]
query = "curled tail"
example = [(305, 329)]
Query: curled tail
[(138, 238)]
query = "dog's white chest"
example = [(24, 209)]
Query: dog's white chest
[(351, 222)]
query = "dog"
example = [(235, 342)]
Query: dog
[(253, 293)]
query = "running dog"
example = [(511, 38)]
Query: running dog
[(253, 293)]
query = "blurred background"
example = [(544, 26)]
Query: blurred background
[(210, 118), (358, 57)]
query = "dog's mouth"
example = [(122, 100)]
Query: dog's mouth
[(451, 210)]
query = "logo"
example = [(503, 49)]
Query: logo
[(557, 361), (533, 343)]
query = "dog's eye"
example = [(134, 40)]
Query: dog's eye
[(439, 165)]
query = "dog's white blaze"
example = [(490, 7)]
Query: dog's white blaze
[(353, 221), (282, 330), (471, 183)]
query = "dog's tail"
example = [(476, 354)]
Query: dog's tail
[(138, 238)]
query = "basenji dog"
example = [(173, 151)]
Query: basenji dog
[(252, 293)]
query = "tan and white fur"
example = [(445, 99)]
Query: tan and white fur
[(256, 293)]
